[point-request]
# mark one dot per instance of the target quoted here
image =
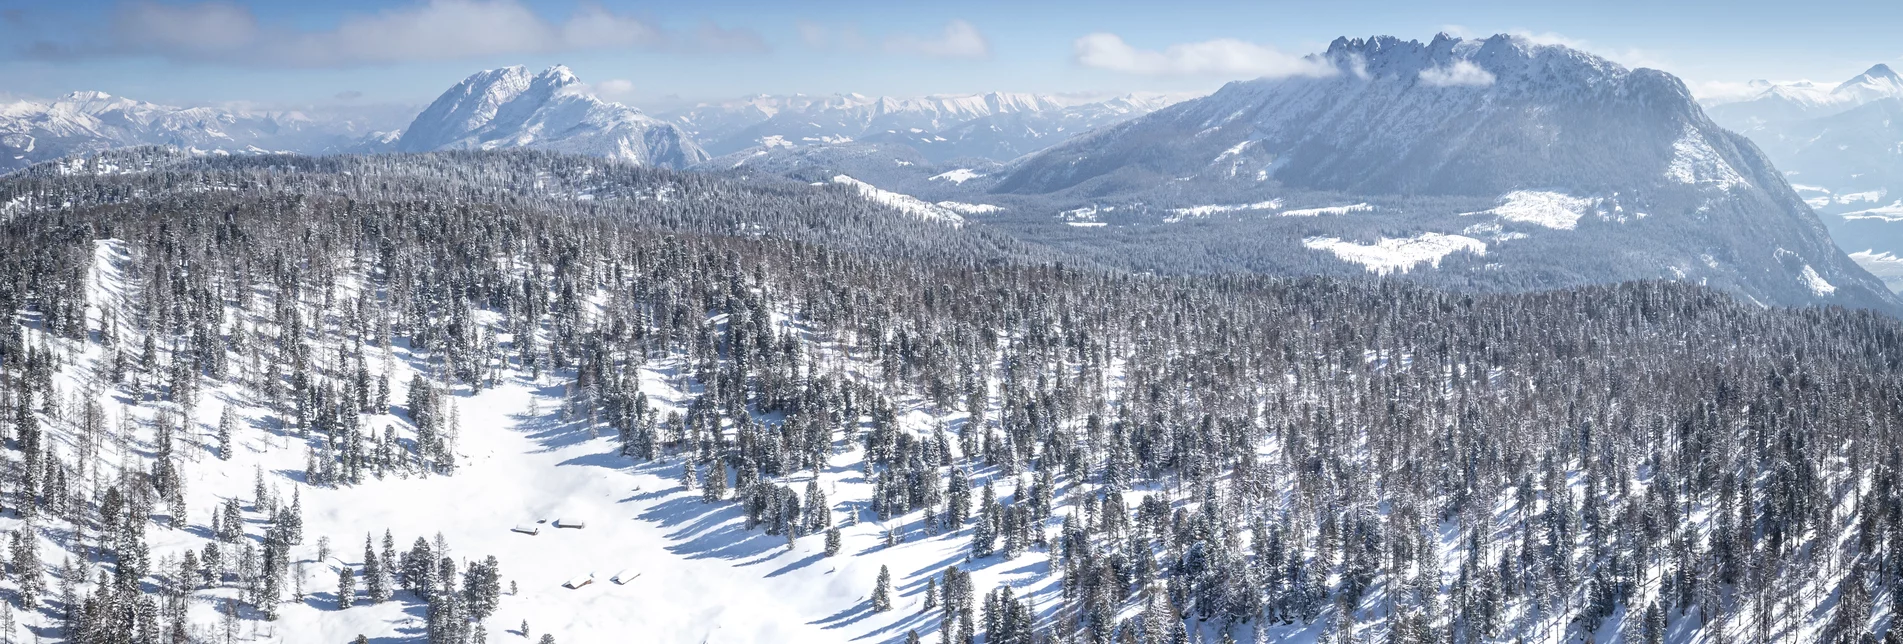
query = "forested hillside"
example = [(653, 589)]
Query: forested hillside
[(784, 413)]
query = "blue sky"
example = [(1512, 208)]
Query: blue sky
[(653, 53)]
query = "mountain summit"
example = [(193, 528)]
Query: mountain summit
[(1879, 82), (512, 108)]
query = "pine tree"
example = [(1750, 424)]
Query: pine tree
[(832, 541), (228, 621), (346, 587), (376, 580), (715, 487), (482, 588), (26, 563), (882, 593), (227, 425)]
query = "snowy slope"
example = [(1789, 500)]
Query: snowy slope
[(1298, 449), (911, 205), (521, 460)]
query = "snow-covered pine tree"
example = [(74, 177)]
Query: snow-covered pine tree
[(882, 591), (346, 587)]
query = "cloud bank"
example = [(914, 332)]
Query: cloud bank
[(1220, 57), (1460, 74), (222, 32), (958, 39)]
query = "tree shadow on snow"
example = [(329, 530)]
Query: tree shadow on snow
[(711, 531)]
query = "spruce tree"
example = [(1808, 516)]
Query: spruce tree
[(376, 581), (882, 592), (227, 426), (346, 587)]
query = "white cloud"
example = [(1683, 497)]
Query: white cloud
[(1462, 73), (1220, 57), (613, 88), (1715, 92), (711, 37), (958, 40), (214, 31), (1633, 58), (815, 35)]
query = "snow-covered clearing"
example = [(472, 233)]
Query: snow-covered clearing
[(1328, 210), (959, 176), (1554, 210), (1401, 254), (907, 204), (1204, 211), (684, 570), (970, 208)]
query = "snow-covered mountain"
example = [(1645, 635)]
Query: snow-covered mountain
[(499, 108), (1842, 149), (33, 131), (1779, 102), (1554, 165), (512, 108), (997, 126)]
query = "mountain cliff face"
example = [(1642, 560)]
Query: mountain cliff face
[(1556, 166), (511, 108)]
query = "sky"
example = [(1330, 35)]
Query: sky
[(664, 54)]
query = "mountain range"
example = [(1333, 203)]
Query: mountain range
[(36, 131), (996, 126), (512, 107), (1842, 149), (1491, 164)]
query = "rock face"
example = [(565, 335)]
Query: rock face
[(511, 108), (1568, 167)]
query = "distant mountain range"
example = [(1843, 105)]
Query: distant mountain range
[(995, 126), (1842, 148), (35, 131), (1495, 164), (511, 107)]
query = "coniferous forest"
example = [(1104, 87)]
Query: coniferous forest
[(1021, 447)]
